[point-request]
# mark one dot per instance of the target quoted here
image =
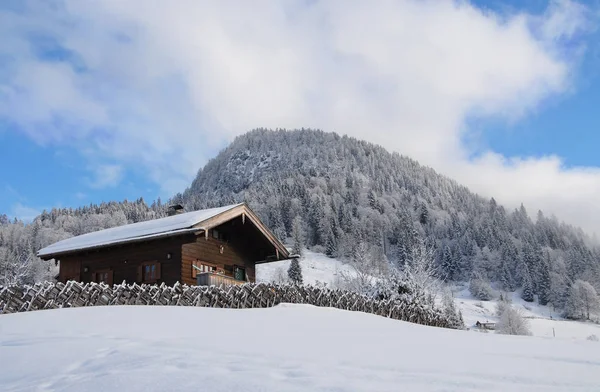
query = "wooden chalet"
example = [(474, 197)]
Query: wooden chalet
[(214, 246)]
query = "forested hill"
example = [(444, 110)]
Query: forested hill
[(348, 191), (349, 196)]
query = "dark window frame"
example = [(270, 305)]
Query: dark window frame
[(157, 271)]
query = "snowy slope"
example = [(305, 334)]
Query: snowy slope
[(286, 348), (543, 320), (316, 269)]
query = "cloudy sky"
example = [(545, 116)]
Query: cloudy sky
[(107, 100)]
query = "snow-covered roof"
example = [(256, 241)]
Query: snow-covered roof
[(171, 225)]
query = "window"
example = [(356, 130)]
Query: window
[(199, 267), (149, 272), (103, 276), (220, 235), (239, 273)]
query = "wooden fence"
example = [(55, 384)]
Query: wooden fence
[(51, 295)]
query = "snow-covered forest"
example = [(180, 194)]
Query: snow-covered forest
[(349, 193), (350, 197)]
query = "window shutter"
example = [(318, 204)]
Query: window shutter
[(157, 271), (139, 274), (110, 278)]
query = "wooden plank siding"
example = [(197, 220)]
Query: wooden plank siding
[(240, 243), (208, 249), (125, 260), (70, 269)]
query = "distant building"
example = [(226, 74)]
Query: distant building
[(486, 325), (214, 246)]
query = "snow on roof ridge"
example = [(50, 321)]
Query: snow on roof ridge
[(133, 231)]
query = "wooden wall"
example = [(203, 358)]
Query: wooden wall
[(124, 260), (244, 246), (208, 249), (70, 269)]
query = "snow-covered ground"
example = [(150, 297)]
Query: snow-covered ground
[(543, 320), (316, 269), (286, 348)]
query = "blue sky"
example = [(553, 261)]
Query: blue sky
[(111, 101), (566, 125)]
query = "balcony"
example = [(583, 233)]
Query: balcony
[(213, 279)]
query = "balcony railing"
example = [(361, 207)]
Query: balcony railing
[(212, 279)]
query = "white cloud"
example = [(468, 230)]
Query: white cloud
[(106, 176), (25, 213), (158, 87)]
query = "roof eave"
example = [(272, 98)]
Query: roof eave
[(55, 255)]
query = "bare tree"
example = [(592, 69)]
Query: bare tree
[(581, 301), (361, 279), (421, 271), (512, 322), (17, 269)]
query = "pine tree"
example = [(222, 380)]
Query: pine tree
[(295, 272), (453, 315), (544, 284), (297, 236), (527, 294), (331, 245), (449, 264), (506, 278), (423, 214)]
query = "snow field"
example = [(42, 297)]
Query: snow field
[(286, 348), (544, 322), (316, 269)]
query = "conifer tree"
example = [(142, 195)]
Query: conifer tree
[(449, 264), (295, 272), (331, 244), (527, 294), (453, 315), (544, 284), (297, 236)]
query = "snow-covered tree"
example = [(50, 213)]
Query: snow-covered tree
[(297, 236), (420, 269), (527, 293), (544, 285), (512, 322), (295, 271), (504, 301), (582, 301), (480, 288), (451, 311), (331, 245)]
